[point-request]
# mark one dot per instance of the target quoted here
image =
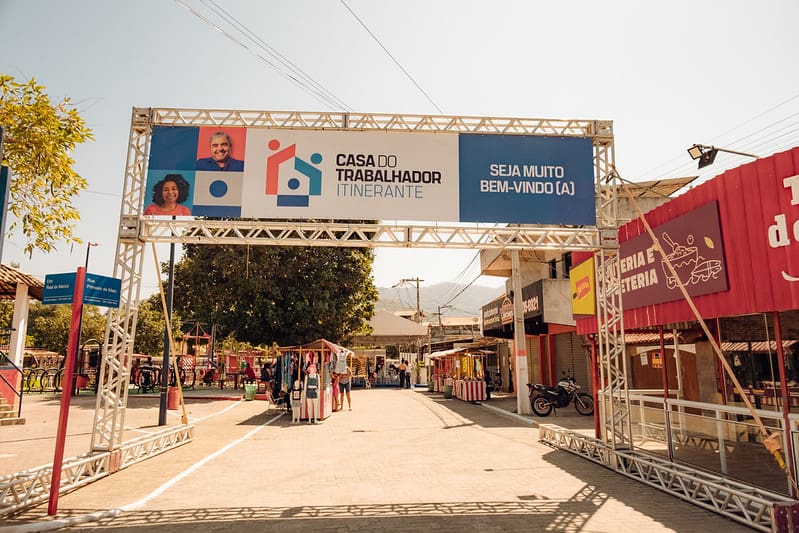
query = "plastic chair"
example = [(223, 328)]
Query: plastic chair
[(279, 403)]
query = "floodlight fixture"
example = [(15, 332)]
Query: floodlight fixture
[(707, 154)]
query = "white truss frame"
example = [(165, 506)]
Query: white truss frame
[(27, 488), (258, 232), (757, 508), (135, 230)]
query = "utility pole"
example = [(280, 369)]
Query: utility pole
[(440, 323), (415, 280), (418, 306)]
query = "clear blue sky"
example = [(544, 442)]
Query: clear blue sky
[(668, 75)]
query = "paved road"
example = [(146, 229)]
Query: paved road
[(401, 460)]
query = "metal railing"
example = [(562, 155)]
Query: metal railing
[(42, 379), (6, 363), (718, 438)]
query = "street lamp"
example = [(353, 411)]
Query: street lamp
[(707, 154)]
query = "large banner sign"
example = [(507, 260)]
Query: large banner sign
[(239, 172), (582, 282), (693, 245)]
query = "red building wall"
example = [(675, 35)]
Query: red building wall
[(759, 216)]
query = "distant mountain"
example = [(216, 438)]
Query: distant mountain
[(463, 301)]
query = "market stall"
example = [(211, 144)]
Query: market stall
[(469, 380), (443, 369), (293, 364), (460, 373)]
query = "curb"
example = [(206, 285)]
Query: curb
[(514, 416)]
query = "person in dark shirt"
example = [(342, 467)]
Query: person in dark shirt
[(221, 160)]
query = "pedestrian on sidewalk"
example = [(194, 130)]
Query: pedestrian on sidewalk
[(344, 388), (403, 371)]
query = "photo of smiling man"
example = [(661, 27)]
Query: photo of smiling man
[(220, 158)]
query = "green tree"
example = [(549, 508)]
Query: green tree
[(48, 325), (267, 294), (38, 140), (150, 325)]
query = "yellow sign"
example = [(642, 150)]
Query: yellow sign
[(583, 288)]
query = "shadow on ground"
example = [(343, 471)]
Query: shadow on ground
[(527, 514)]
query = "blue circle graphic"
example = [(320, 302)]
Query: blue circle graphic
[(294, 184), (218, 188)]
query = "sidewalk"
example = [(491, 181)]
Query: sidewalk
[(32, 444), (401, 460), (504, 404)]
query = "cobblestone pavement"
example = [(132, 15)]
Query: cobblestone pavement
[(401, 460)]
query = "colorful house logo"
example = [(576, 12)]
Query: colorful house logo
[(292, 183)]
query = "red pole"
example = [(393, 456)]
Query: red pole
[(720, 368), (66, 389), (664, 373)]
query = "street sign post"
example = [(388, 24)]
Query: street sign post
[(98, 290), (76, 288)]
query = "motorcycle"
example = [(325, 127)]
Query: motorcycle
[(544, 399)]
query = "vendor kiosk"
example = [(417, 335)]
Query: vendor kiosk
[(293, 363), (460, 373)]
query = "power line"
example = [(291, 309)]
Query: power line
[(320, 94), (241, 27), (764, 146), (407, 74)]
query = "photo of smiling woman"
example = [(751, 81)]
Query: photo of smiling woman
[(168, 195)]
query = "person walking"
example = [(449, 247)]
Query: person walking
[(344, 388), (403, 371)]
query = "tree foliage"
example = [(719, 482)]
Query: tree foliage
[(38, 140), (150, 325), (48, 326), (287, 295)]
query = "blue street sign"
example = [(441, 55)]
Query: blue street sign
[(101, 290), (97, 290), (58, 288)]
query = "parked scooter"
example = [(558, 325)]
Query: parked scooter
[(544, 399)]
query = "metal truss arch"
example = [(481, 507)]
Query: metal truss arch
[(759, 509), (136, 230), (342, 234)]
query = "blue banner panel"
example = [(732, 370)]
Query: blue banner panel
[(101, 290), (524, 179), (174, 148), (58, 288)]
